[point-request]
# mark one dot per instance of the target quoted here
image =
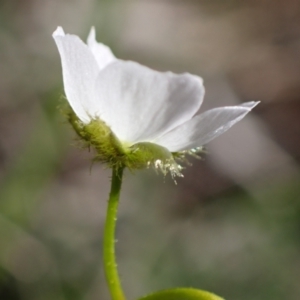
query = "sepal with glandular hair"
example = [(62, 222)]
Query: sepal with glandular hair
[(181, 294), (110, 150)]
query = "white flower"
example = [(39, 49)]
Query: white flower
[(137, 104)]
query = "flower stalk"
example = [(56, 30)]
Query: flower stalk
[(109, 258)]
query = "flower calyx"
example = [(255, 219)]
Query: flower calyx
[(116, 154)]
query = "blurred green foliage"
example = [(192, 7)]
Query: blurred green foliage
[(35, 165)]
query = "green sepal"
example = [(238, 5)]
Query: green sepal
[(181, 294), (117, 154)]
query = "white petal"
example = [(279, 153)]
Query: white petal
[(204, 127), (140, 104), (80, 71), (58, 32), (102, 53)]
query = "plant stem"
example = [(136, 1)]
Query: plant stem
[(110, 266)]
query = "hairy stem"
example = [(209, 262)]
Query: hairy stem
[(110, 266)]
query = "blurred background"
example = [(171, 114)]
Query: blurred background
[(231, 225)]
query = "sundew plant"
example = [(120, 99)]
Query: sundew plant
[(136, 118)]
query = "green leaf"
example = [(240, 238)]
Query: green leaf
[(182, 294)]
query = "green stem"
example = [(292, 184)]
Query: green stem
[(110, 266)]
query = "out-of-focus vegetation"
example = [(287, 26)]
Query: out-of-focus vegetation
[(230, 226)]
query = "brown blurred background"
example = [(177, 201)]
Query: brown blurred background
[(231, 226)]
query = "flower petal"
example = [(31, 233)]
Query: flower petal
[(204, 127), (102, 53), (80, 71), (140, 104)]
